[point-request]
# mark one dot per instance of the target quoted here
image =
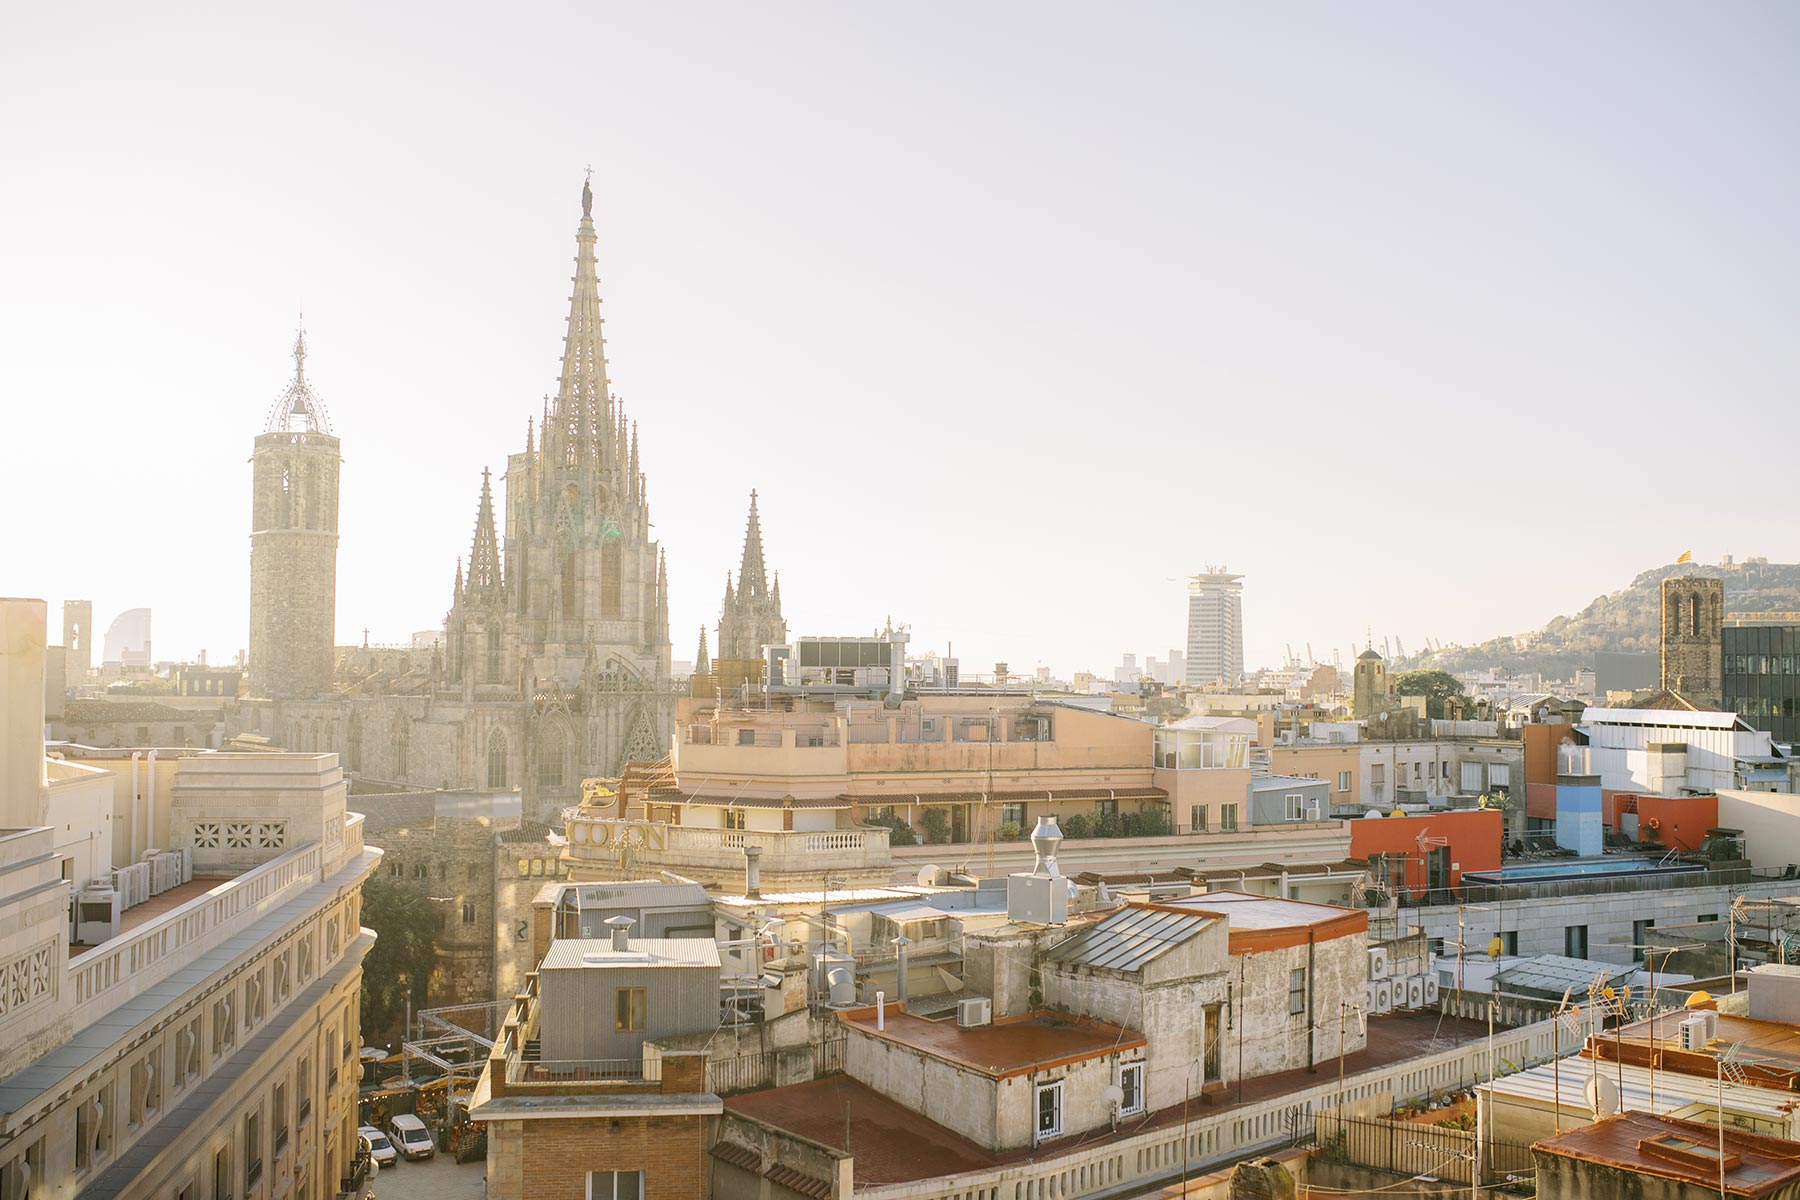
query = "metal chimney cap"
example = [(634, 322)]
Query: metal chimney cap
[(621, 922), (1044, 841)]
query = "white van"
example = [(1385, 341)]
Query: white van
[(411, 1136)]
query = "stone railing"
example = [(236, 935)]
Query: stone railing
[(609, 841), (1236, 1132), (114, 972)]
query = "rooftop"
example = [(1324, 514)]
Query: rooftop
[(587, 953), (1552, 974), (1686, 1151), (139, 915), (893, 1144), (1247, 911), (1129, 938), (1005, 1048)]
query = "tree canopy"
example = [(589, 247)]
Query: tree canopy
[(406, 928), (1435, 686)]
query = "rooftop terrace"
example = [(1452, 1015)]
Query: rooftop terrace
[(893, 1144), (1004, 1048)]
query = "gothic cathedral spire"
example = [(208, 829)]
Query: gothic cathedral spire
[(752, 577), (484, 555), (751, 616), (582, 419)]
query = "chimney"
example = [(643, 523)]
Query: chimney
[(752, 872), (900, 945), (1044, 841), (621, 932)]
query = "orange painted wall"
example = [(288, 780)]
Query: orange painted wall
[(1541, 742), (1474, 840), (1685, 819)]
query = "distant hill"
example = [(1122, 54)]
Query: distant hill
[(1624, 621)]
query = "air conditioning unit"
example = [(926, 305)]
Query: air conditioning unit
[(1378, 962), (978, 1011), (1415, 992), (1711, 1017), (1384, 996), (97, 911), (1315, 811), (1693, 1033), (1431, 990)]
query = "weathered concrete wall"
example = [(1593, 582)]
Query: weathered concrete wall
[(999, 1114)]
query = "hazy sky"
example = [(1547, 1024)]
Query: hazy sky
[(1433, 318)]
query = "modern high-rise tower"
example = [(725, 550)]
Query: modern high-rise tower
[(293, 545), (1215, 646)]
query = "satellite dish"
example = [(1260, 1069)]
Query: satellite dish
[(1114, 1094), (1602, 1096), (928, 875), (1373, 814)]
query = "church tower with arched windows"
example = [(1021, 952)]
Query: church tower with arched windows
[(293, 545), (1692, 649)]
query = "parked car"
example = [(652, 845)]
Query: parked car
[(411, 1136), (380, 1149)]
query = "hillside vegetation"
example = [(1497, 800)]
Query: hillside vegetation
[(1624, 621)]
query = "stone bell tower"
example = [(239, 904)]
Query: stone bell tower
[(1692, 644), (293, 545)]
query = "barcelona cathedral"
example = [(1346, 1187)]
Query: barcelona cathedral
[(554, 661)]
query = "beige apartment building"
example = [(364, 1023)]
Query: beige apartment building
[(804, 783), (186, 1025)]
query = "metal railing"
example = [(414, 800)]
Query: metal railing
[(1165, 1152), (584, 1070), (1595, 885), (1417, 1148)]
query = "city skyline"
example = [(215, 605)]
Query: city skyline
[(919, 299)]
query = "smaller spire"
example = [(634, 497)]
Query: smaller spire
[(530, 429), (484, 554), (751, 578), (300, 353), (702, 660), (459, 585)]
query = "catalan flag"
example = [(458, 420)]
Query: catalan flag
[(1686, 556)]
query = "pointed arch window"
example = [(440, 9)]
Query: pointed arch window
[(553, 754), (496, 760), (309, 496), (353, 743), (612, 565), (1694, 615), (493, 654), (400, 746)]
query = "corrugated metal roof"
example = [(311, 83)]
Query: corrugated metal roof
[(1668, 718), (1129, 938), (583, 954), (1552, 974)]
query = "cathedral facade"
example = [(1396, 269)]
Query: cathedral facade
[(555, 660)]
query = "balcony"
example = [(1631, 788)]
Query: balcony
[(608, 847)]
